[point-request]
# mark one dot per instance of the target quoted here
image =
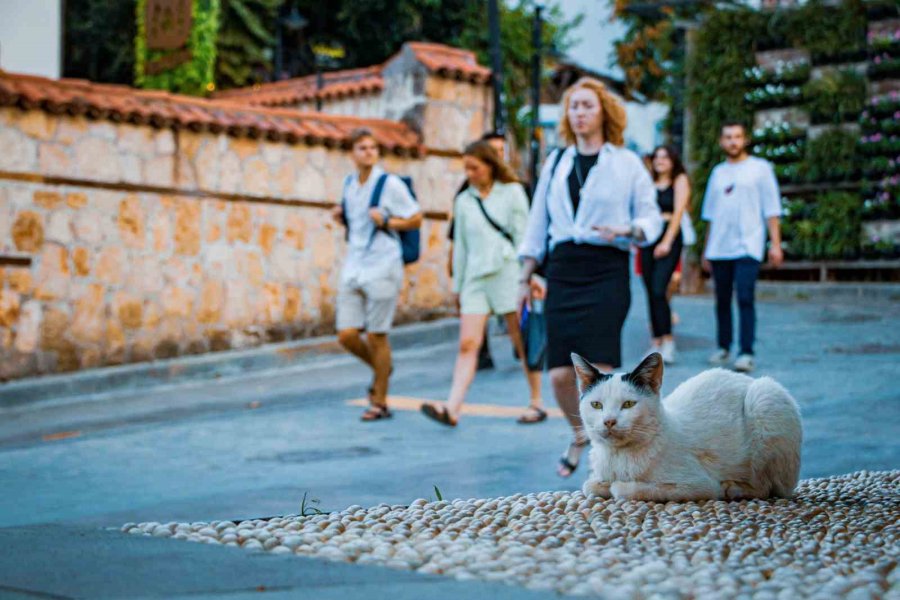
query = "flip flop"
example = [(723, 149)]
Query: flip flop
[(438, 413), (537, 416), (566, 463), (376, 413)]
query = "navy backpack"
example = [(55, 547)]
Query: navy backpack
[(409, 240)]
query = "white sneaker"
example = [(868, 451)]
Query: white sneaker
[(668, 352), (653, 348), (744, 363), (719, 358)]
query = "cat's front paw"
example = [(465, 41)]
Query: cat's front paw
[(595, 487)]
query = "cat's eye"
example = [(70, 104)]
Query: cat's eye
[(597, 404), (628, 404)]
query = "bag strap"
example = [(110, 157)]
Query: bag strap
[(374, 201), (492, 222), (347, 181)]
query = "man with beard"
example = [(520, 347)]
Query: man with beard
[(741, 203)]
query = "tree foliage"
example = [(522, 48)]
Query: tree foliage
[(245, 42), (99, 40)]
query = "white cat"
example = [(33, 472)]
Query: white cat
[(719, 435)]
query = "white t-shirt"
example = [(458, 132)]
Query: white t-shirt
[(368, 258), (739, 198)]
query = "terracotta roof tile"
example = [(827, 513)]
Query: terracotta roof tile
[(451, 62), (444, 61), (164, 110)]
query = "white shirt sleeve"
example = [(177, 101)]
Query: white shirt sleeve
[(534, 244), (709, 198), (519, 218), (769, 195), (397, 200), (644, 208)]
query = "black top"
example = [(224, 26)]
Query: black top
[(666, 199), (580, 167)]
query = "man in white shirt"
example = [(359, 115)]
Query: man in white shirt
[(372, 274), (741, 203)]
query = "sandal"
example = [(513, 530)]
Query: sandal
[(564, 461), (533, 414), (376, 412), (438, 413)]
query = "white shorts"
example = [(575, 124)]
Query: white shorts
[(369, 306)]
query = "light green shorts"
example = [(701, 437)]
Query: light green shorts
[(492, 294)]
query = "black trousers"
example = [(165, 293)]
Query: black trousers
[(657, 273), (740, 273)]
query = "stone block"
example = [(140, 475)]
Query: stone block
[(256, 177), (238, 304), (162, 233), (187, 227), (52, 280), (71, 129), (130, 222), (239, 224), (209, 309), (76, 200), (28, 327), (88, 228), (160, 171), (177, 302), (295, 230), (59, 227), (81, 259), (46, 199), (54, 159), (250, 267), (36, 124), (89, 316), (9, 308), (230, 173), (103, 130), (267, 235), (19, 280), (28, 231), (136, 140), (292, 303), (97, 159), (164, 141), (129, 310), (206, 165), (283, 182), (109, 265), (19, 151), (271, 307)]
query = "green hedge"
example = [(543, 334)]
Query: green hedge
[(836, 97), (195, 77), (829, 227)]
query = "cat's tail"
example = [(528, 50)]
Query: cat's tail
[(776, 433)]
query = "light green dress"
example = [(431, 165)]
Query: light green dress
[(485, 263)]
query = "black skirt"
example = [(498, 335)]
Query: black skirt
[(588, 296)]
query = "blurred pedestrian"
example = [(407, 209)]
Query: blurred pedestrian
[(659, 261), (372, 274), (742, 201), (593, 199), (498, 142), (490, 216)]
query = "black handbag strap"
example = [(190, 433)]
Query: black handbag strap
[(492, 222)]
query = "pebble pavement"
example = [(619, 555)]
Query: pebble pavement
[(838, 537)]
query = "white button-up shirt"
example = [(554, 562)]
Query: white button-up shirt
[(368, 258), (618, 192), (739, 198)]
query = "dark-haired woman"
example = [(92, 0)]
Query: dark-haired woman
[(490, 217), (658, 261)]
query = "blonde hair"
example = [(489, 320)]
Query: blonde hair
[(613, 113)]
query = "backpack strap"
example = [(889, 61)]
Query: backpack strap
[(347, 181), (374, 201)]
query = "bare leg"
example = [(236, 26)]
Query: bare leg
[(352, 342), (380, 351), (471, 332), (566, 392), (533, 377)]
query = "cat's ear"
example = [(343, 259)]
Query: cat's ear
[(648, 374), (587, 374)]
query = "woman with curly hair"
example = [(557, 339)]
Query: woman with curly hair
[(593, 200)]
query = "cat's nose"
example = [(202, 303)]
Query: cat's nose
[(610, 423)]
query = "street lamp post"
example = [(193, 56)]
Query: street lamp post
[(536, 92), (496, 64)]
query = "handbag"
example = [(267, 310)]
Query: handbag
[(534, 335)]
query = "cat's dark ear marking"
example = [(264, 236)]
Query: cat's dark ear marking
[(587, 374), (648, 375)]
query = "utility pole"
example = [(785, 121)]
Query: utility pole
[(536, 92), (496, 64)]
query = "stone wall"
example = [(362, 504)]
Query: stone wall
[(150, 243)]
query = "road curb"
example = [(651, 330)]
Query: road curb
[(830, 292), (206, 366)]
